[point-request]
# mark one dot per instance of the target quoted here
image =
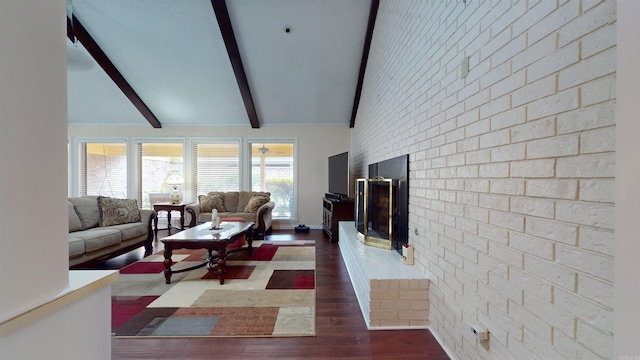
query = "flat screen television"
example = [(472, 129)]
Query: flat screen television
[(339, 174)]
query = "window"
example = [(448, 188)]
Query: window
[(156, 161), (216, 166), (103, 169), (273, 170)]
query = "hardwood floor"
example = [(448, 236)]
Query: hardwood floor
[(340, 328)]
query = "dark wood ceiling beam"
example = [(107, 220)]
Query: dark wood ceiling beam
[(373, 13), (78, 31), (222, 15)]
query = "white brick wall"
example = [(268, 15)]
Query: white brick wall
[(512, 167)]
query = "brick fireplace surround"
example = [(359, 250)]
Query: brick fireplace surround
[(391, 295)]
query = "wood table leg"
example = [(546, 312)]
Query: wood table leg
[(155, 226), (249, 237), (167, 265), (222, 260)]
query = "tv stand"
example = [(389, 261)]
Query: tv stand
[(335, 197), (334, 211)]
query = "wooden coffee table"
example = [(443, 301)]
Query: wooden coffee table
[(202, 237)]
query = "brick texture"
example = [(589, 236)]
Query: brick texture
[(511, 168), (399, 302)]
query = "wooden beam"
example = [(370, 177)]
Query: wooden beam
[(222, 15), (79, 32), (373, 13)]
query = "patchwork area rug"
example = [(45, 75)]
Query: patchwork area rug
[(271, 293)]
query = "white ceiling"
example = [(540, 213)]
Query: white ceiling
[(173, 55)]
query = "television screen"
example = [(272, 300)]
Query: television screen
[(339, 174)]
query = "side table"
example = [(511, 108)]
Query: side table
[(168, 207)]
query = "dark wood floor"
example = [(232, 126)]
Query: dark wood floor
[(340, 328)]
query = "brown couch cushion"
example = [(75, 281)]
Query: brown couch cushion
[(118, 211), (213, 200), (255, 202)]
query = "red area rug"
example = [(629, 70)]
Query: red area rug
[(270, 293)]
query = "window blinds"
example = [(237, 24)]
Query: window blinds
[(103, 169), (216, 166)]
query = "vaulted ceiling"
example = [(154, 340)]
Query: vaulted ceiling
[(214, 62)]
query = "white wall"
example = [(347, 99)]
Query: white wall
[(627, 249), (33, 242), (39, 317), (315, 145), (78, 331), (512, 167)]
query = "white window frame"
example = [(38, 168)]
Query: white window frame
[(247, 164), (135, 161), (75, 171)]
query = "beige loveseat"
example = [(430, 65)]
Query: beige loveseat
[(249, 205), (101, 228)]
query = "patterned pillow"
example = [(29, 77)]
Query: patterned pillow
[(118, 211), (255, 202), (211, 201)]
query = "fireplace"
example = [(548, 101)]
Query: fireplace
[(382, 203), (376, 208)]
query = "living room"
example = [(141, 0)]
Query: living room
[(512, 166)]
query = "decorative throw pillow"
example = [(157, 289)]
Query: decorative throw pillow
[(255, 202), (211, 201), (118, 211)]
